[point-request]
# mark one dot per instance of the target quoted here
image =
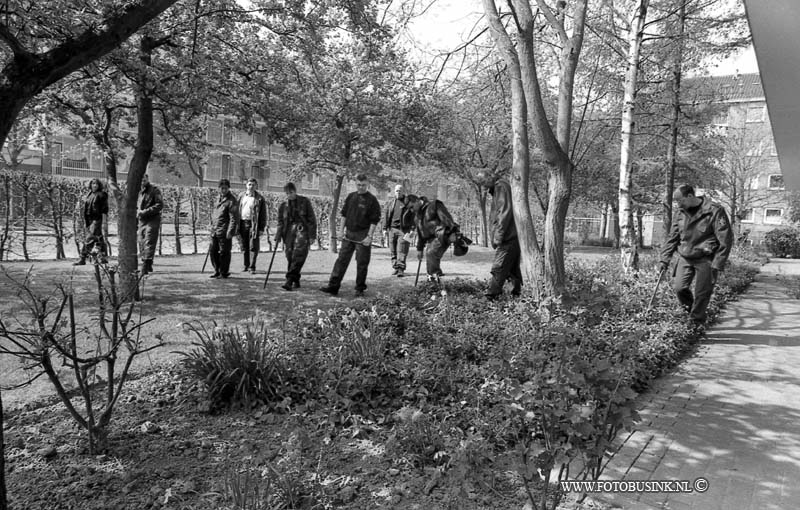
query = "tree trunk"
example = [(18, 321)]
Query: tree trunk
[(5, 241), (639, 228), (559, 185), (672, 148), (604, 223), (193, 211), (628, 245), (337, 193), (27, 73), (25, 206), (176, 219), (127, 223)]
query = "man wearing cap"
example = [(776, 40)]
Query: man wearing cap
[(148, 216), (224, 224), (436, 229), (398, 221), (702, 236)]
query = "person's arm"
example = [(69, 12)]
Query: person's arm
[(505, 215), (233, 219), (670, 244), (312, 221), (262, 215), (724, 234), (279, 228), (155, 209), (342, 228)]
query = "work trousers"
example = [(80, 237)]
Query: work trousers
[(296, 246), (506, 267), (699, 271), (148, 237), (398, 248), (94, 237), (220, 254), (363, 253)]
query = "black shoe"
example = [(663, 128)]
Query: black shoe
[(433, 278), (400, 273), (215, 275), (80, 262), (287, 285), (252, 270), (359, 292), (492, 295), (295, 285), (440, 273), (245, 269), (328, 289), (225, 275)]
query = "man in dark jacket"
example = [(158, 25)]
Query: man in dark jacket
[(224, 223), (398, 222), (253, 213), (503, 236), (362, 213), (436, 228), (148, 213), (297, 228), (702, 235), (95, 209)]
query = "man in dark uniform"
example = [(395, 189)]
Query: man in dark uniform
[(702, 235), (224, 223), (297, 228), (436, 229), (503, 236), (253, 212), (95, 209), (398, 222), (362, 213), (148, 213)]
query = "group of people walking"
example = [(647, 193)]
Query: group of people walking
[(700, 233)]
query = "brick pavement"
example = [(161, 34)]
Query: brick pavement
[(730, 414)]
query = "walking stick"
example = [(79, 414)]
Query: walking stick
[(269, 269), (208, 251), (655, 291), (419, 266)]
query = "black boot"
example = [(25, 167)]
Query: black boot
[(80, 262), (287, 285)]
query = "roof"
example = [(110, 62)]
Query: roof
[(732, 87)]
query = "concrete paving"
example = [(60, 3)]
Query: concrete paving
[(730, 414)]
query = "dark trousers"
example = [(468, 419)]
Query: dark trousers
[(700, 271), (506, 267), (220, 254), (296, 247), (251, 244), (437, 247), (148, 237), (363, 254), (94, 237), (398, 248)]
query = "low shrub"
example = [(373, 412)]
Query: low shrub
[(783, 242)]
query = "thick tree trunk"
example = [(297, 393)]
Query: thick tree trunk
[(332, 231), (28, 73), (176, 221), (628, 245), (5, 237), (193, 204), (672, 148), (559, 185)]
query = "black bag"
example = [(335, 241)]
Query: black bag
[(461, 245)]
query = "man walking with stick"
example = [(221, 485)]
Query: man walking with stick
[(148, 214), (398, 222), (224, 223), (702, 236), (362, 213), (297, 228)]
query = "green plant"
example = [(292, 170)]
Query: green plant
[(783, 242), (417, 436), (237, 366)]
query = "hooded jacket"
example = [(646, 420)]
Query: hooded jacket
[(706, 233), (433, 220), (501, 217)]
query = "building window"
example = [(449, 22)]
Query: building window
[(225, 173), (214, 132), (756, 150), (755, 113), (747, 216), (773, 216), (260, 137), (752, 183), (310, 181), (776, 181), (720, 119), (227, 135)]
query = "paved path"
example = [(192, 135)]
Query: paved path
[(731, 414)]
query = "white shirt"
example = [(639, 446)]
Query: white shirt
[(247, 206)]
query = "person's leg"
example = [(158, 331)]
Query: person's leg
[(255, 249), (155, 228), (244, 231), (703, 288), (363, 255), (225, 256), (684, 273), (342, 262), (213, 254), (299, 255), (501, 269), (393, 242), (433, 256), (402, 251)]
